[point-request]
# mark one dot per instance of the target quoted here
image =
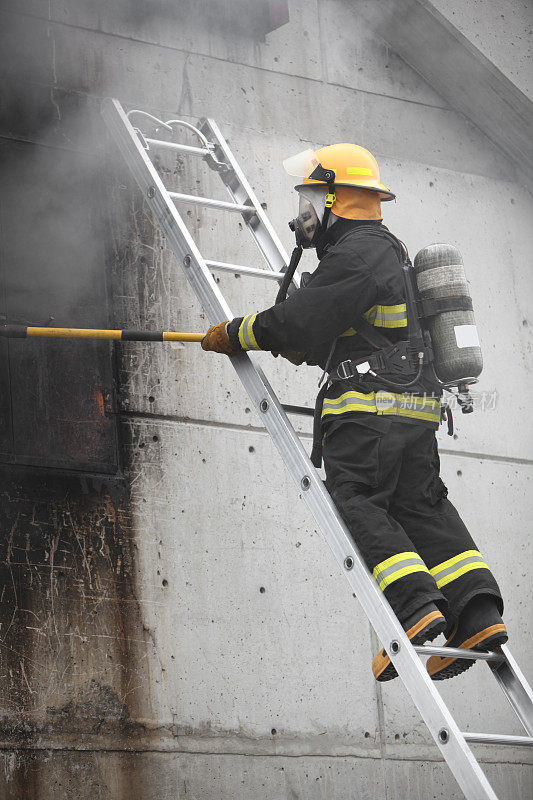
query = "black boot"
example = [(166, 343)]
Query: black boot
[(422, 626), (479, 627)]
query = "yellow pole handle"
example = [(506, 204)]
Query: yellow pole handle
[(125, 335), (74, 333), (170, 336)]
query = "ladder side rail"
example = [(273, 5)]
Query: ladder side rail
[(261, 229), (515, 687), (430, 704)]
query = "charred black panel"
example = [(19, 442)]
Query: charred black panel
[(55, 395), (72, 642)]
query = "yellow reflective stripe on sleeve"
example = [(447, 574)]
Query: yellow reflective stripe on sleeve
[(453, 568), (246, 333), (398, 566)]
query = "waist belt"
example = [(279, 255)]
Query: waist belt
[(396, 359), (403, 405), (384, 402)]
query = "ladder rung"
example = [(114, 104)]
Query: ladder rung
[(445, 652), (430, 650), (210, 203), (303, 410), (258, 273), (184, 148), (499, 738)]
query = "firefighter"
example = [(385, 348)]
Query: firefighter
[(378, 444)]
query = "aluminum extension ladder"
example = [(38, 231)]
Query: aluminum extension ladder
[(136, 148)]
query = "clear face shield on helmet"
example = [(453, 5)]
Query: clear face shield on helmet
[(301, 165)]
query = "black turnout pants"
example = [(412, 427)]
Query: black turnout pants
[(383, 475)]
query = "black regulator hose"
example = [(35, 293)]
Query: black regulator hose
[(395, 385), (289, 275)]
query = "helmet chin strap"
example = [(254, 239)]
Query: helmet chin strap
[(328, 177)]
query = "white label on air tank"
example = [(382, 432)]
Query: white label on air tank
[(466, 335)]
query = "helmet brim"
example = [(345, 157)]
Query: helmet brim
[(384, 193)]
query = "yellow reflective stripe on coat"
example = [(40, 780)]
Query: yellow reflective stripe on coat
[(398, 566), (384, 317), (454, 567), (381, 402), (387, 316), (246, 333)]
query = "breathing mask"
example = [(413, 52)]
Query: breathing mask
[(306, 225), (315, 202)]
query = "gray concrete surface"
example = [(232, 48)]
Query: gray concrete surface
[(152, 664), (501, 30)]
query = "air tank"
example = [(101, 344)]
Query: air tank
[(440, 273)]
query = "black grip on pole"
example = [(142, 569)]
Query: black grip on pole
[(13, 331), (142, 336)]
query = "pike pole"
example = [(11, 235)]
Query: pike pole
[(23, 331)]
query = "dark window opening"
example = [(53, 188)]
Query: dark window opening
[(56, 396)]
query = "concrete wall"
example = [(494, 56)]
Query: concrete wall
[(501, 29), (196, 639)]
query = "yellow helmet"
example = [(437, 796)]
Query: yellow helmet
[(350, 164)]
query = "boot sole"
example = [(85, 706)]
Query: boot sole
[(441, 668), (425, 630)]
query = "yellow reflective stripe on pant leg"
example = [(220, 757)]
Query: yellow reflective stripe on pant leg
[(398, 566), (401, 573), (389, 562), (455, 560), (246, 333), (459, 565), (461, 571)]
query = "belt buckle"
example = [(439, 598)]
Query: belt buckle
[(345, 370)]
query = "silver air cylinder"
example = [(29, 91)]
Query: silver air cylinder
[(440, 273)]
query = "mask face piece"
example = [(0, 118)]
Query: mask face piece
[(306, 225)]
